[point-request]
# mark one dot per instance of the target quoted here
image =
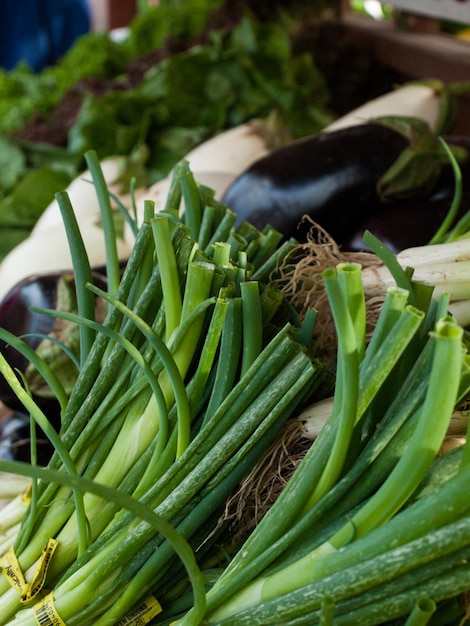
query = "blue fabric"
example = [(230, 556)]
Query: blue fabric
[(39, 32)]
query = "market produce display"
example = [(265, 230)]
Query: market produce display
[(155, 373), (151, 97), (341, 179), (200, 292), (232, 163), (227, 283)]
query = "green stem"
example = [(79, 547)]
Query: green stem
[(410, 468), (435, 416), (81, 401), (392, 308), (252, 323), (327, 611), (181, 547), (82, 272), (229, 359), (347, 378), (432, 529), (113, 270), (171, 367), (442, 234), (421, 613), (390, 261), (169, 273), (192, 201), (377, 369), (43, 422), (147, 264), (350, 281)]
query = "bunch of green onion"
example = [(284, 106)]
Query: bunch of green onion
[(195, 368), (374, 526)]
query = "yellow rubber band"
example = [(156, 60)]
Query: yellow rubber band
[(12, 571), (40, 572)]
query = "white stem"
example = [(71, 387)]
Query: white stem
[(461, 312), (455, 251), (313, 418), (376, 279), (10, 486)]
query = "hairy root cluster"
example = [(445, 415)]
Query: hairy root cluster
[(299, 278)]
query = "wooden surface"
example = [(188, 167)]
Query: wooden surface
[(452, 10), (416, 55)]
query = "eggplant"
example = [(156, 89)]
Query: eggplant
[(54, 291), (51, 291), (15, 440), (413, 222), (340, 179), (406, 224)]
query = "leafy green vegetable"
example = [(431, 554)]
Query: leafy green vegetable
[(231, 76), (12, 163), (23, 93), (31, 195), (30, 176), (151, 27), (10, 238), (234, 77), (21, 208)]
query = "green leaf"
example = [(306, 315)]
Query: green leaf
[(419, 165), (170, 146), (34, 192), (10, 238), (12, 164)]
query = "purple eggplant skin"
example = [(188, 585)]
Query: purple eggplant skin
[(319, 176), (16, 317), (40, 291), (15, 440), (414, 222), (405, 224)]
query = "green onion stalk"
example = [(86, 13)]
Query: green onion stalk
[(370, 507), (180, 389)]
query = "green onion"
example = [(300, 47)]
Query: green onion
[(421, 613), (82, 271), (156, 417), (126, 502), (109, 231), (170, 281), (442, 234), (310, 540)]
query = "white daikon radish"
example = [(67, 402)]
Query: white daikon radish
[(233, 150), (48, 251), (414, 100)]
